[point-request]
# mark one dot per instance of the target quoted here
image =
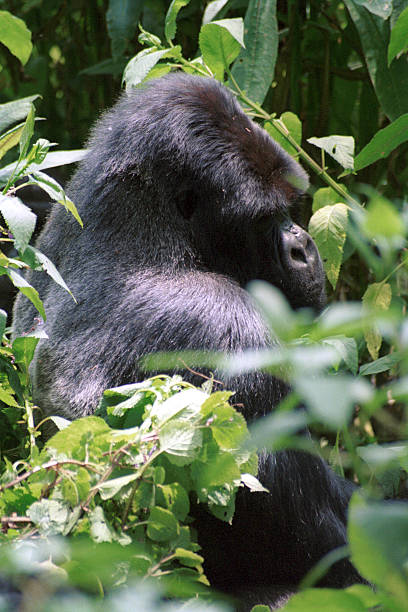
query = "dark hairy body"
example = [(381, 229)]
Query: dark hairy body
[(184, 201)]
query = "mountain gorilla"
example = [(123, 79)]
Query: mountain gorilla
[(184, 200)]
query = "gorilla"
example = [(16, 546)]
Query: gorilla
[(185, 200)]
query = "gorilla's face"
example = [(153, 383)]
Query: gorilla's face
[(268, 246)]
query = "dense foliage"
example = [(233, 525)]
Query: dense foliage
[(323, 78)]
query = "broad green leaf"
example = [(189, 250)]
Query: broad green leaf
[(27, 133), (7, 398), (49, 516), (188, 401), (170, 25), (56, 192), (188, 557), (378, 536), (10, 139), (382, 8), (255, 66), (228, 427), (220, 468), (390, 83), (382, 219), (176, 500), (220, 43), (331, 399), (67, 440), (293, 125), (24, 347), (383, 142), (399, 36), (60, 422), (317, 600), (328, 227), (325, 196), (377, 296), (180, 440), (341, 148), (162, 525), (12, 112), (381, 365), (102, 531), (212, 9), (139, 66), (347, 349), (109, 488), (19, 218), (122, 17), (15, 35)]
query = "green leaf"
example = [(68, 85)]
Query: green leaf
[(180, 440), (10, 139), (54, 159), (319, 600), (67, 440), (328, 227), (7, 398), (220, 468), (325, 196), (188, 558), (377, 296), (220, 43), (139, 66), (49, 516), (102, 531), (29, 291), (109, 488), (275, 307), (331, 399), (176, 500), (47, 265), (293, 125), (17, 110), (19, 218), (228, 427), (212, 9), (122, 17), (15, 35), (162, 525), (24, 347), (383, 219), (341, 148), (383, 142), (382, 8), (381, 365), (27, 133), (347, 349), (57, 193), (378, 536), (399, 36), (390, 83), (255, 66), (170, 25)]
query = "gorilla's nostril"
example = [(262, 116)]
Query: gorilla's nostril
[(298, 255)]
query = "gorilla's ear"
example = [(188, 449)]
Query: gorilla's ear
[(186, 201)]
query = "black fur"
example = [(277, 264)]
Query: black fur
[(184, 200)]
